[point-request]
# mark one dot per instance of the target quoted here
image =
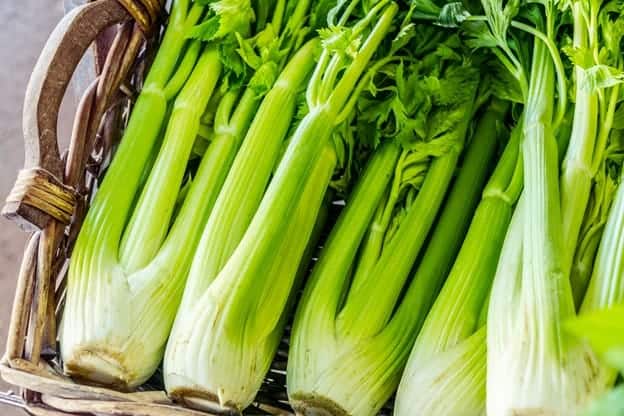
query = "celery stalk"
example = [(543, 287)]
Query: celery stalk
[(542, 292), (144, 233), (398, 257), (216, 350), (531, 367), (588, 148), (103, 267), (324, 289), (452, 383), (576, 172), (606, 286)]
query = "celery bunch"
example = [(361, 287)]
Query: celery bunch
[(127, 272), (531, 366), (353, 329), (240, 283), (448, 357), (215, 64)]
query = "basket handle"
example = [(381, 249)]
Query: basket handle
[(40, 193)]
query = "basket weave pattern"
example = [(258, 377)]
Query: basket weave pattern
[(51, 197)]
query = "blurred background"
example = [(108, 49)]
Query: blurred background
[(25, 26)]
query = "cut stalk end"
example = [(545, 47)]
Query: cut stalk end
[(200, 399), (101, 367), (314, 405)]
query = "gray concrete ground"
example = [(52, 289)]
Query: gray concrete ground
[(24, 28)]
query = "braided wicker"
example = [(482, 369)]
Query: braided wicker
[(51, 197)]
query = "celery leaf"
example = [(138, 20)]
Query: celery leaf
[(226, 17)]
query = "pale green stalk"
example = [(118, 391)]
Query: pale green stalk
[(324, 290), (452, 383), (576, 170), (604, 190), (600, 39), (217, 349), (145, 124), (535, 365), (532, 365), (150, 220), (593, 120), (108, 340), (251, 170), (606, 286), (600, 317), (407, 242)]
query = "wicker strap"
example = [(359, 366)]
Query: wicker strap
[(42, 193), (39, 189), (47, 86)]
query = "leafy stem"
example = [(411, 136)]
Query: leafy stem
[(559, 69)]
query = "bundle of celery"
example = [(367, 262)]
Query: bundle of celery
[(243, 273), (353, 330), (532, 366), (448, 357), (134, 251)]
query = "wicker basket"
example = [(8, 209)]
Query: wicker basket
[(51, 197)]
